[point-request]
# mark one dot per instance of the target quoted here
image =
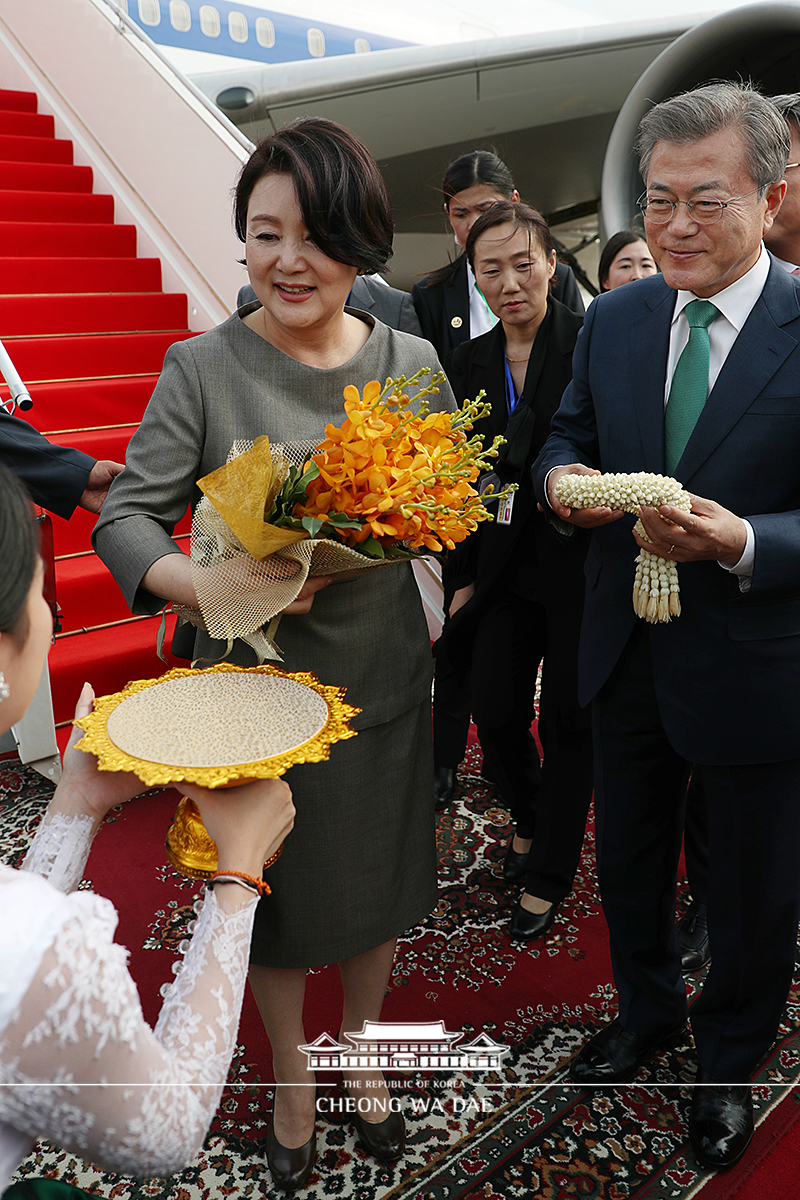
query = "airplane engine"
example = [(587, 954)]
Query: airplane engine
[(760, 42)]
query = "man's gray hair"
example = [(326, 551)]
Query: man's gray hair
[(706, 110), (788, 106)]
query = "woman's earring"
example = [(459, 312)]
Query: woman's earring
[(5, 690)]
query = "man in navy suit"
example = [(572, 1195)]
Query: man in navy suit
[(717, 686), (59, 478)]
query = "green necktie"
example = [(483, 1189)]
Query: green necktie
[(689, 389)]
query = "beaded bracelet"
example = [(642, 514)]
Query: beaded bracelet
[(274, 857), (257, 886)]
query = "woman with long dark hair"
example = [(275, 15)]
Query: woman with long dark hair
[(450, 306), (516, 587), (625, 257)]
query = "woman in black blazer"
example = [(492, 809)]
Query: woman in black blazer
[(445, 300), (516, 585)]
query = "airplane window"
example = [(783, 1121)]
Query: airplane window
[(180, 15), (361, 46), (237, 26), (209, 20), (316, 43), (265, 32), (149, 12)]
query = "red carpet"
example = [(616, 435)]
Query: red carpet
[(517, 1131), (87, 327)]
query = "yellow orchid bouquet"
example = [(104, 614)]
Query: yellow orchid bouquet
[(389, 483), (390, 478)]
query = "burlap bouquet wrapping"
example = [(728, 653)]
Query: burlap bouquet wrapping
[(246, 571)]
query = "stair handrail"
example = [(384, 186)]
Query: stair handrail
[(20, 396), (179, 80)]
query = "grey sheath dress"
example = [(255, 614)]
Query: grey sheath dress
[(359, 866)]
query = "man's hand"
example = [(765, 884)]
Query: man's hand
[(585, 518), (101, 476), (709, 531)]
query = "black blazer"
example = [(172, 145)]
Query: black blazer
[(443, 308), (55, 476), (526, 557)]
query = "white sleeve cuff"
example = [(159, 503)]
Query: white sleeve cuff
[(744, 567)]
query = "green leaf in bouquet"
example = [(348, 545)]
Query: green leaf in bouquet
[(342, 521), (311, 471), (312, 524), (371, 547)]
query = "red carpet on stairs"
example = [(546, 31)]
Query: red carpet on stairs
[(87, 326)]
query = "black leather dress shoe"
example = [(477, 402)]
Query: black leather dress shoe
[(384, 1140), (525, 926), (614, 1055), (693, 942), (514, 864), (290, 1167), (444, 788), (721, 1121)]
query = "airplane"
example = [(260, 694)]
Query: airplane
[(559, 102), (205, 36), (560, 106)]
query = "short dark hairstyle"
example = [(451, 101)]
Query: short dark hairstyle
[(19, 552), (617, 241), (511, 212), (479, 166), (340, 189)]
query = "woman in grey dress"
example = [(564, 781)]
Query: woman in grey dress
[(312, 211)]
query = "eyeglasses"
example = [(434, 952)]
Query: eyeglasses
[(658, 210)]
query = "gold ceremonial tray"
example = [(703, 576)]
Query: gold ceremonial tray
[(214, 727)]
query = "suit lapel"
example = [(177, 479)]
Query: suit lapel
[(743, 377), (488, 361), (649, 347)]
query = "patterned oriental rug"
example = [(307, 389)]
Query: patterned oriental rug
[(516, 1131)]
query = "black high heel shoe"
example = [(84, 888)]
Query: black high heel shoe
[(384, 1140), (514, 864), (525, 926), (290, 1166)]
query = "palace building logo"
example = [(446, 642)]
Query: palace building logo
[(420, 1046)]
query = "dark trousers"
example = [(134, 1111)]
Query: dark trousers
[(549, 800), (451, 715), (753, 891), (695, 839)]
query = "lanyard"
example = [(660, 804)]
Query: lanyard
[(512, 399)]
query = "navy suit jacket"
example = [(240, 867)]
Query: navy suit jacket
[(55, 476), (727, 670)]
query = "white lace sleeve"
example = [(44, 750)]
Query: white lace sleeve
[(60, 849), (97, 1079)]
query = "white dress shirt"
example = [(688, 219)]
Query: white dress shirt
[(735, 303), (788, 267), (481, 317)]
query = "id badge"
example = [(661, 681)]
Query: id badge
[(505, 509)]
